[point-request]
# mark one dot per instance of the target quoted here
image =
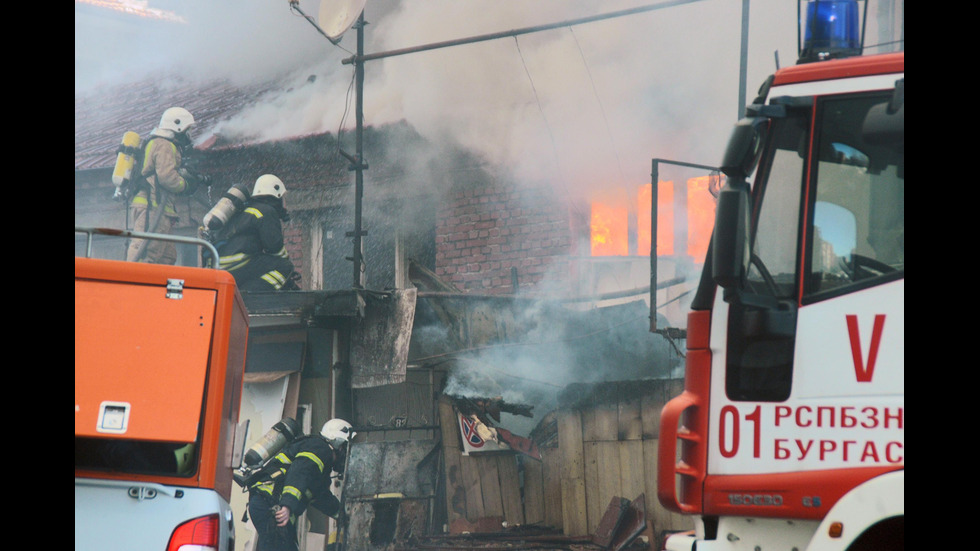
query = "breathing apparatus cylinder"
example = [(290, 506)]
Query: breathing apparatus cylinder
[(125, 161), (231, 202), (271, 443)]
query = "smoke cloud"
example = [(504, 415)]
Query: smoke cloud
[(584, 107), (581, 108)]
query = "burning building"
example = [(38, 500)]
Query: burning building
[(477, 285)]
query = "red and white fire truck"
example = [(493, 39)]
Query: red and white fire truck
[(790, 433)]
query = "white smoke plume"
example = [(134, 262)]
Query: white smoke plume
[(582, 107)]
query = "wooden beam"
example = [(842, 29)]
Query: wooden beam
[(534, 490), (630, 421), (632, 474), (510, 488), (574, 519), (551, 472), (455, 489), (609, 481), (489, 474)]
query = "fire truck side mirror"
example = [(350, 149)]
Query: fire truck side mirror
[(744, 148), (885, 123), (730, 240)]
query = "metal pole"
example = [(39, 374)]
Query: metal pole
[(743, 63), (359, 154), (654, 192), (516, 32)]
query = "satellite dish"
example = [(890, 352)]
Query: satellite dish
[(336, 16)]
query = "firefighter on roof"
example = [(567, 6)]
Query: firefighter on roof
[(153, 208), (251, 245), (295, 478)]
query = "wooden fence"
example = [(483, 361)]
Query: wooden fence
[(606, 447)]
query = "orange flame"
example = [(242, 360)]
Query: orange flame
[(701, 194), (610, 229)]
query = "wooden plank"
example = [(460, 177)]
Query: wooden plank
[(574, 516), (493, 505), (589, 429), (534, 490), (551, 473), (650, 408), (630, 422), (631, 469), (471, 483), (510, 488), (455, 489), (593, 506), (609, 480), (607, 423), (447, 422)]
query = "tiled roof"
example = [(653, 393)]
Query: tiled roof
[(103, 115)]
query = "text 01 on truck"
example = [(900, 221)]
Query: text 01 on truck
[(790, 433), (159, 367)]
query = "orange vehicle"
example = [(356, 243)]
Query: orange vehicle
[(159, 365)]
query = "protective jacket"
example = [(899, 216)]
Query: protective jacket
[(161, 168), (299, 476), (252, 248)]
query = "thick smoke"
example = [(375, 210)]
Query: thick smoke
[(582, 108)]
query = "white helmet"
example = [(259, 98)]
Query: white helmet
[(337, 432), (267, 184), (176, 119)]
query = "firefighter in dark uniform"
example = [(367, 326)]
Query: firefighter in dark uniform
[(252, 246), (297, 477)]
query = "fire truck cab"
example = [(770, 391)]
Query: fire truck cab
[(790, 431)]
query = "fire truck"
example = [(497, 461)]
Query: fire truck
[(159, 367), (790, 431)]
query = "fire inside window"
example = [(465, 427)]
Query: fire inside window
[(685, 221)]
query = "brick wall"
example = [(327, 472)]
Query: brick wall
[(484, 232)]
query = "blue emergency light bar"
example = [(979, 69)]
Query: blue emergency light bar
[(832, 30)]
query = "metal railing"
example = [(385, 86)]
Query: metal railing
[(91, 232)]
